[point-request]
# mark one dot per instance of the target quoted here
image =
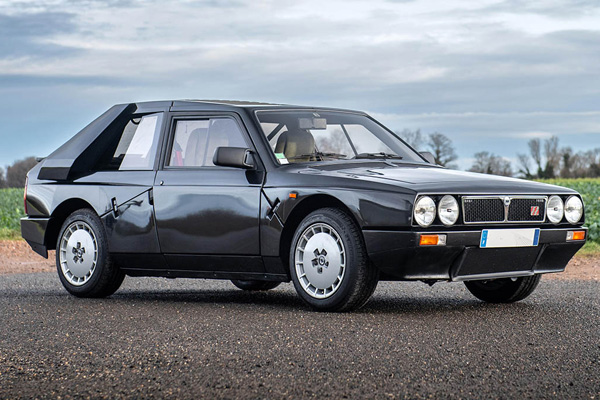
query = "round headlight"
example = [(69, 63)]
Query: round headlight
[(573, 209), (425, 211), (555, 209), (448, 210)]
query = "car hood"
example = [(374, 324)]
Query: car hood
[(429, 178)]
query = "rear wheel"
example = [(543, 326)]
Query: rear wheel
[(329, 264), (255, 285), (84, 265), (507, 290)]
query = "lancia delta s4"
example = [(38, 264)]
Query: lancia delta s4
[(261, 194)]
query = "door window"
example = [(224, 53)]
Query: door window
[(195, 141)]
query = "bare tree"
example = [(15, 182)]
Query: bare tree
[(413, 138), (535, 149), (558, 162), (587, 164), (553, 156), (548, 163), (567, 162), (336, 142), (2, 180), (16, 173), (489, 163), (524, 166), (442, 149)]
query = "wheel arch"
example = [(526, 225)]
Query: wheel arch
[(58, 217), (300, 211)]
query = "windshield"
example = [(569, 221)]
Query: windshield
[(316, 136)]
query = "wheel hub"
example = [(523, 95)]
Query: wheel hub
[(320, 260), (78, 253)]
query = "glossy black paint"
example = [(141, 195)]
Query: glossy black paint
[(222, 222), (187, 204), (398, 255)]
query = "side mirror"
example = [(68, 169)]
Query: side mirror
[(428, 156), (236, 157)]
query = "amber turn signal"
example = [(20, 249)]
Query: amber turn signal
[(432, 240), (575, 235)]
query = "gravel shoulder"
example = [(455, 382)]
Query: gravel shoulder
[(16, 257)]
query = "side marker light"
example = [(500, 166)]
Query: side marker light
[(432, 240), (575, 235)]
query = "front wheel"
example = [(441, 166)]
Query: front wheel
[(506, 290), (329, 264), (84, 265)]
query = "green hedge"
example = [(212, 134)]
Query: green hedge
[(11, 210), (590, 191)]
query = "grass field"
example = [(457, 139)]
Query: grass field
[(11, 209)]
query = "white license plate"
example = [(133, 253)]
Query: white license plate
[(491, 238)]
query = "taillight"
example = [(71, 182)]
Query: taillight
[(25, 195)]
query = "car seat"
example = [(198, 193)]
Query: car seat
[(294, 143), (194, 149)]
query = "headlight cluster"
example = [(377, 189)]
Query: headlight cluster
[(447, 210), (555, 209), (572, 209)]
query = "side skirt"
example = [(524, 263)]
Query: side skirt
[(165, 273)]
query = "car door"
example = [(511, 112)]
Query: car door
[(207, 216)]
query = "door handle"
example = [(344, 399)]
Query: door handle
[(115, 207)]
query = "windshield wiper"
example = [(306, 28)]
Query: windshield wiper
[(381, 155), (320, 154)]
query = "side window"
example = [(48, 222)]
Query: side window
[(137, 144), (195, 141)]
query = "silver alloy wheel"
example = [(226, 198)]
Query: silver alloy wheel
[(320, 260), (78, 253)]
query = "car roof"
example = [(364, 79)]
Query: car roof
[(193, 105)]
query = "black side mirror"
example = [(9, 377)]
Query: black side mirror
[(428, 156), (236, 157)]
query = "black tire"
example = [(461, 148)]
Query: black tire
[(255, 285), (504, 290), (359, 277), (106, 277)]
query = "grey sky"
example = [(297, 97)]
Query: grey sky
[(489, 74)]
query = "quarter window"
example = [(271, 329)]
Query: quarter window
[(136, 147), (195, 141)]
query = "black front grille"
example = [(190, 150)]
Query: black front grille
[(522, 210), (484, 210), (492, 209)]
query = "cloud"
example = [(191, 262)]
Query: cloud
[(558, 9), (531, 135), (486, 73), (22, 35)]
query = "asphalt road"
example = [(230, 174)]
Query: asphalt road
[(192, 339)]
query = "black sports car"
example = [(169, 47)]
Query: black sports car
[(262, 194)]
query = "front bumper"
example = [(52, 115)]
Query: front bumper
[(399, 256), (33, 231)]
